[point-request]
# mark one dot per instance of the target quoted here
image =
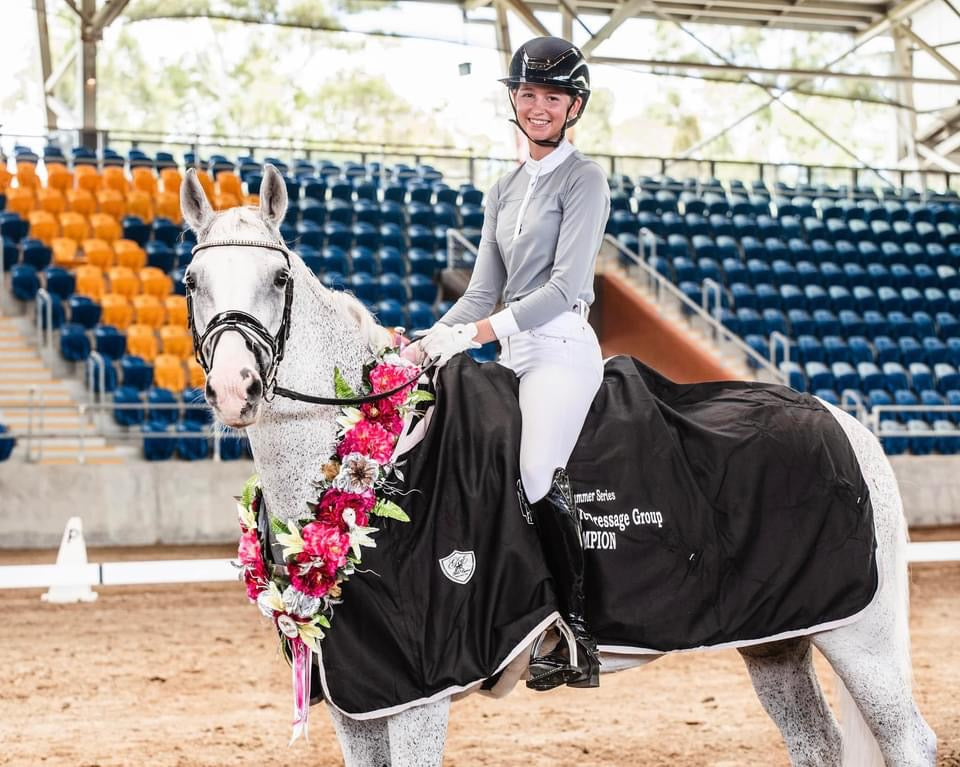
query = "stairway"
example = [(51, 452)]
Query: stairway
[(58, 431)]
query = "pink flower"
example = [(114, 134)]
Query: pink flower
[(386, 377), (385, 414), (314, 578), (368, 438), (254, 585), (326, 542), (248, 550)]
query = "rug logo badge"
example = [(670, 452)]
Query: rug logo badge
[(459, 566)]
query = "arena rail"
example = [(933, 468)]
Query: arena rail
[(698, 315)]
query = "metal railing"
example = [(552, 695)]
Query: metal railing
[(44, 325), (662, 289), (35, 436), (457, 244)]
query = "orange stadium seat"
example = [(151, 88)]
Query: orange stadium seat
[(142, 341), (114, 177), (206, 182), (112, 203), (139, 204), (117, 311), (176, 307), (98, 252), (155, 282), (168, 373), (228, 182), (145, 180), (87, 177), (59, 178), (43, 226), (171, 178), (74, 226), (105, 227), (168, 206), (149, 310), (225, 201), (64, 251), (176, 340), (130, 255), (5, 178), (198, 379), (21, 201), (90, 281), (27, 175), (123, 281), (81, 201), (51, 200)]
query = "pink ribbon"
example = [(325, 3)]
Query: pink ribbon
[(302, 657)]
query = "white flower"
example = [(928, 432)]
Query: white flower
[(270, 600), (297, 603), (392, 358), (350, 418), (357, 473)]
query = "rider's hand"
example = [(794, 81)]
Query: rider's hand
[(414, 353), (444, 341)]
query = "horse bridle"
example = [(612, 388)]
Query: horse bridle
[(255, 334)]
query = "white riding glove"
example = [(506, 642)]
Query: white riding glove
[(444, 341)]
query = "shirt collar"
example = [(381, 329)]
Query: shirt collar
[(550, 162)]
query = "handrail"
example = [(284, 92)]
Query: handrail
[(851, 398), (777, 337), (96, 394), (44, 310), (720, 331), (455, 236), (709, 285)]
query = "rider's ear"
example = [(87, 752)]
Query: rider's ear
[(273, 195), (194, 204)]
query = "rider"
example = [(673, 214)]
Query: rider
[(542, 229)]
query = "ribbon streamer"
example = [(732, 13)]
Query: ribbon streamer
[(302, 660)]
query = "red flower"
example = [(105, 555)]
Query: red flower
[(313, 578), (370, 439), (385, 414), (326, 542), (335, 502)]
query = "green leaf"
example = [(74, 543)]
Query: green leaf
[(341, 387), (322, 620), (249, 490), (390, 510), (278, 527), (420, 395)]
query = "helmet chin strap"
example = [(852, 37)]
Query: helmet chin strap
[(541, 142)]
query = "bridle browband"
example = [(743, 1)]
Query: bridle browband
[(255, 335)]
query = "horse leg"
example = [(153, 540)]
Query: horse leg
[(786, 683), (363, 743), (872, 656), (418, 735)]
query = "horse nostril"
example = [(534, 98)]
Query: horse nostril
[(210, 394), (246, 373), (254, 389)]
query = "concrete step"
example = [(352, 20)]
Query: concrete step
[(94, 460), (21, 364), (61, 445), (21, 401), (45, 387), (26, 376)]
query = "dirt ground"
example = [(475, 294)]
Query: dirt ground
[(175, 676)]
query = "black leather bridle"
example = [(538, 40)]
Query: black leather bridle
[(256, 336)]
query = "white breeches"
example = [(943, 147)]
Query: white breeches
[(560, 368)]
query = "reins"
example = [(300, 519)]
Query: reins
[(255, 334)]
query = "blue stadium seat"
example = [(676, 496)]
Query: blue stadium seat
[(191, 448), (390, 313), (890, 299), (912, 300), (109, 341), (826, 322), (334, 259), (197, 416), (894, 438), (819, 376), (809, 349), (923, 323), (870, 376), (160, 255), (885, 349), (311, 258), (860, 349), (333, 280), (135, 229), (362, 259), (136, 372), (925, 276), (74, 344), (13, 228), (801, 323), (845, 376), (946, 377), (910, 350), (165, 231), (792, 297), (865, 299), (59, 281), (774, 320), (420, 316), (919, 445), (183, 253), (422, 288), (920, 376), (835, 349), (816, 297), (159, 448), (36, 254), (422, 261), (128, 395), (159, 396), (363, 286), (899, 325), (949, 443), (795, 376), (392, 287), (876, 323), (767, 297), (735, 271), (92, 370), (391, 260)]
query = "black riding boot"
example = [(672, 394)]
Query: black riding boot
[(574, 661)]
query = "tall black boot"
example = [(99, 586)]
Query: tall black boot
[(574, 661)]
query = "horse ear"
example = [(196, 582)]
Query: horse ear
[(194, 204), (273, 195)]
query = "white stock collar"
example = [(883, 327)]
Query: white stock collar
[(550, 162)]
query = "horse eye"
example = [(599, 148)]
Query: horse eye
[(189, 281), (282, 278)]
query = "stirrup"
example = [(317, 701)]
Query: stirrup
[(554, 670)]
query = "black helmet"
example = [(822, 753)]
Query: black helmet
[(554, 62)]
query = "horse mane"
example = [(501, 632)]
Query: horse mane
[(375, 335)]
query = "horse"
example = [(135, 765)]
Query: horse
[(301, 332)]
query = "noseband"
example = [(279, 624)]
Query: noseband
[(256, 335)]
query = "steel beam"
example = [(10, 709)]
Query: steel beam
[(935, 159), (626, 11), (809, 74), (906, 9), (522, 10), (906, 121), (43, 35), (88, 75), (942, 60)]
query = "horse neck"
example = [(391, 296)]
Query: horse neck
[(292, 440)]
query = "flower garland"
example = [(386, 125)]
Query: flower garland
[(322, 548)]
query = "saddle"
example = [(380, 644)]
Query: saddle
[(717, 514)]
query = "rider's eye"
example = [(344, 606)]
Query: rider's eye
[(281, 278), (189, 281)]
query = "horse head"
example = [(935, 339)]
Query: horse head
[(237, 286)]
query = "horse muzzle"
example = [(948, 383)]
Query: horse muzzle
[(234, 386)]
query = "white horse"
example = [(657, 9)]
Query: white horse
[(291, 440)]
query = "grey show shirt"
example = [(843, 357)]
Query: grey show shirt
[(537, 254)]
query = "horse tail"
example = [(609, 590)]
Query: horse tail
[(860, 748)]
